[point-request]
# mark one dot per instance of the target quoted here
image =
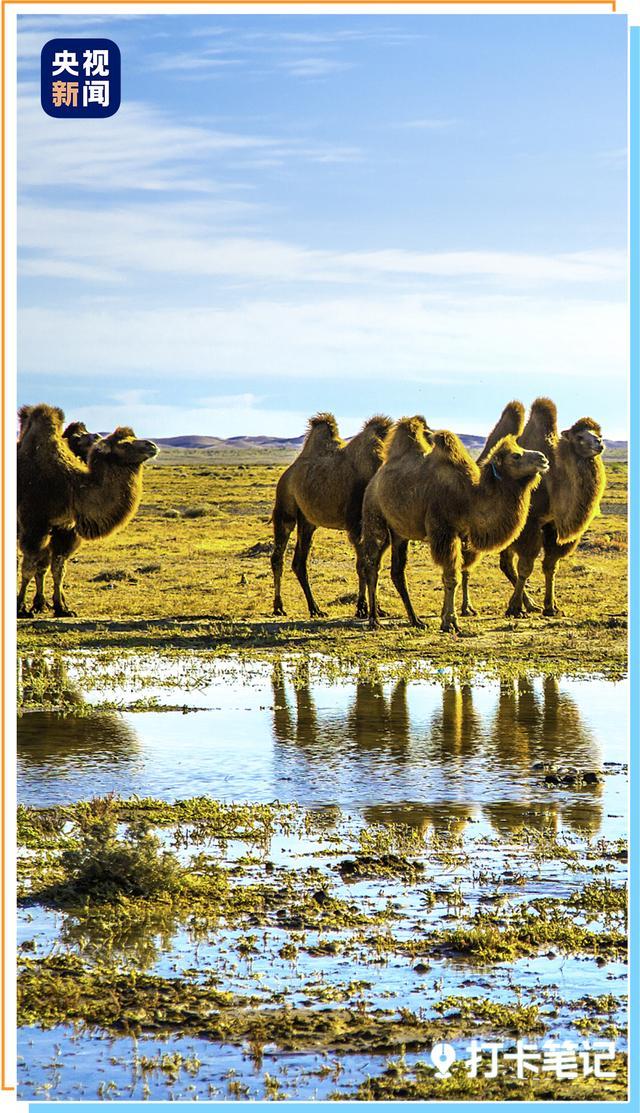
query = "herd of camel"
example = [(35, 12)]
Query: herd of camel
[(532, 489)]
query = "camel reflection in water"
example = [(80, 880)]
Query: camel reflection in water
[(452, 755)]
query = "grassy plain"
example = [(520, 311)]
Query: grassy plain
[(192, 570)]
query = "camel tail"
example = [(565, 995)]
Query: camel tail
[(408, 436), (511, 421)]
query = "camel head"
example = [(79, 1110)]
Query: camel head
[(585, 438), (79, 439), (122, 449), (509, 461)]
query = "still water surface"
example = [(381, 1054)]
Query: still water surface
[(418, 752)]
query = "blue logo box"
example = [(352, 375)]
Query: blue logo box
[(80, 78)]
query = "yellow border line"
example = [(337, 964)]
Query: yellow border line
[(3, 609)]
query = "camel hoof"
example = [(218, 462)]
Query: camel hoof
[(374, 624), (362, 610), (383, 613), (417, 624), (450, 626), (64, 612), (317, 613), (468, 610), (24, 612), (39, 605), (279, 610), (532, 608), (552, 612), (515, 611)]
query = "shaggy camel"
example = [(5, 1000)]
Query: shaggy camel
[(63, 501), (436, 493), (510, 422), (80, 441), (324, 487), (563, 506)]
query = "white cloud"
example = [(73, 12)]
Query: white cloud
[(221, 420), (384, 337), (188, 239), (142, 148), (313, 67)]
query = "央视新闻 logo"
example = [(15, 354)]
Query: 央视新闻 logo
[(80, 78)]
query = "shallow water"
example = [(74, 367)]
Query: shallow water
[(443, 757), (430, 754)]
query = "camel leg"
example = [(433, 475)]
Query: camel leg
[(39, 601), (469, 558), (399, 549), (508, 568), (529, 545), (282, 527), (304, 539), (446, 550), (64, 542), (375, 542), (553, 552), (362, 609), (29, 569), (35, 556)]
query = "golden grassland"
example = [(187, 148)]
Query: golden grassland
[(192, 570)]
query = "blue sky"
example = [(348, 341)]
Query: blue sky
[(302, 212)]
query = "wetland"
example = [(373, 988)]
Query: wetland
[(264, 858)]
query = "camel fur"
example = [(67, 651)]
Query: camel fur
[(431, 490), (563, 507), (324, 487), (63, 501), (510, 423)]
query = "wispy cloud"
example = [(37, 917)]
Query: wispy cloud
[(313, 67), (410, 337), (188, 239), (143, 148)]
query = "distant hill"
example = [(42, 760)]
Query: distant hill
[(469, 440), (472, 441)]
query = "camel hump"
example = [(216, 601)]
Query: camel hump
[(511, 420), (408, 436), (379, 424), (48, 418), (449, 447), (322, 434), (541, 429), (24, 415)]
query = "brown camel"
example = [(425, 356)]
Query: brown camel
[(80, 441), (510, 422), (563, 506), (324, 487), (436, 493), (63, 501)]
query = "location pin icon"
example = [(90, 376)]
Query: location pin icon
[(442, 1056)]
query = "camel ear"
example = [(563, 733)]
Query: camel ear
[(565, 433)]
